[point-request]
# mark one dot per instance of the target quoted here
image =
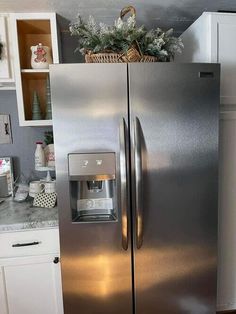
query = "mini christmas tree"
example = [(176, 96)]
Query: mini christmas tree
[(36, 110), (48, 101)]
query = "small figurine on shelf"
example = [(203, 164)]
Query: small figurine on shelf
[(40, 57), (36, 110), (48, 101)]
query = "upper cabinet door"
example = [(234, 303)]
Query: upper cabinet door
[(3, 296), (211, 39), (6, 70), (33, 285), (223, 49)]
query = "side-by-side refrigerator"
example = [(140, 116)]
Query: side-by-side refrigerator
[(137, 180)]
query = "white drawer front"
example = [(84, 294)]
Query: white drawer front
[(29, 243)]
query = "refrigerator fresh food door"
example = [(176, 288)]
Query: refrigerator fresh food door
[(90, 130), (174, 139)]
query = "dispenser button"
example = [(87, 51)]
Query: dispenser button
[(99, 162), (85, 163)]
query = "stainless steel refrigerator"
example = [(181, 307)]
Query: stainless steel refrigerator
[(137, 179)]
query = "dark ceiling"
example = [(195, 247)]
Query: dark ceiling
[(178, 14), (165, 14)]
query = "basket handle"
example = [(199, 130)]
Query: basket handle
[(126, 10)]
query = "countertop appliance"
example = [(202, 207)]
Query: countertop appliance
[(137, 179)]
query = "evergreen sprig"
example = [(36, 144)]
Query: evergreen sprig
[(119, 38), (48, 137)]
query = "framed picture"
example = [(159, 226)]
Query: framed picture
[(5, 129), (6, 167)]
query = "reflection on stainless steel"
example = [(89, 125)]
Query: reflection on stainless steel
[(102, 266), (138, 183), (162, 128), (123, 184)]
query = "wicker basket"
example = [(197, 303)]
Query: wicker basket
[(111, 57), (133, 54)]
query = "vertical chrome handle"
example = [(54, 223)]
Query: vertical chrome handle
[(123, 185), (138, 183)]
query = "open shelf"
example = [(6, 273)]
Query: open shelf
[(34, 82), (38, 123), (35, 71), (30, 33), (30, 30)]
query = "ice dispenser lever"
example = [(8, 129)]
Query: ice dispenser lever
[(92, 186)]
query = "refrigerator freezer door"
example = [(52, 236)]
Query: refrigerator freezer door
[(89, 113), (174, 118)]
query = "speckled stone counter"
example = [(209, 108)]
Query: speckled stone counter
[(21, 216)]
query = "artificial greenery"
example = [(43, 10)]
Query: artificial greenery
[(99, 37), (48, 137), (1, 47)]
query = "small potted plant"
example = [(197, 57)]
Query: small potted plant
[(124, 41), (49, 149)]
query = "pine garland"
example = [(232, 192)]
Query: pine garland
[(122, 35)]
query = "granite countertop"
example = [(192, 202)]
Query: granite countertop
[(16, 216)]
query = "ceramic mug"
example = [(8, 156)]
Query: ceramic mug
[(50, 187), (40, 57), (35, 187)]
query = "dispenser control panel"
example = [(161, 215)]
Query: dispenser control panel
[(97, 165)]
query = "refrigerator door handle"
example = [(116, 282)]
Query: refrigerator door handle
[(123, 185), (138, 183)]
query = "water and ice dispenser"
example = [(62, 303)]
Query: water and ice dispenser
[(92, 186)]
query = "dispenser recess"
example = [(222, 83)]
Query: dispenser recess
[(92, 186)]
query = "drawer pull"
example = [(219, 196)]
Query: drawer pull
[(56, 260), (25, 244)]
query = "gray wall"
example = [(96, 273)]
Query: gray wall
[(24, 138)]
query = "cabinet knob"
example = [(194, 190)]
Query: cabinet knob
[(56, 260)]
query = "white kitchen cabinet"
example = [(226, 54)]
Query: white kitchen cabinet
[(3, 295), (30, 29), (6, 61), (30, 275), (33, 285), (211, 39)]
